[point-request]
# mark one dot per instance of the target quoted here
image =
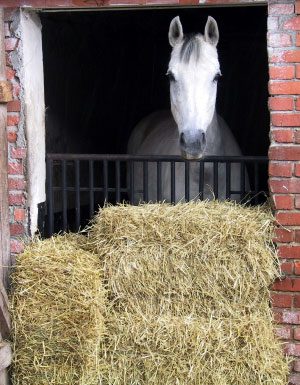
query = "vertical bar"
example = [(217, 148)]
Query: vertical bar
[(50, 212), (242, 179), (131, 181), (145, 181), (77, 194), (159, 197), (228, 179), (216, 178), (187, 180), (64, 193), (256, 182), (118, 181), (91, 187), (105, 180), (201, 180), (173, 181)]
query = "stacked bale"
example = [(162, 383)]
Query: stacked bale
[(57, 312), (188, 290)]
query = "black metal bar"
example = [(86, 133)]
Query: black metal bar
[(145, 182), (159, 192), (228, 179), (256, 183), (187, 180), (118, 182), (216, 179), (64, 194), (77, 194), (243, 184), (201, 181), (173, 186), (50, 211), (105, 180), (131, 181), (168, 158), (91, 187)]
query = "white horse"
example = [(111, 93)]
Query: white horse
[(195, 130)]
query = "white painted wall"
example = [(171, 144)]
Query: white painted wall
[(32, 80)]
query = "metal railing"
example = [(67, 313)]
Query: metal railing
[(77, 184)]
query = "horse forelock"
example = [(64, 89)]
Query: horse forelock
[(191, 46)]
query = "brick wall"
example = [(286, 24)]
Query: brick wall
[(284, 167), (16, 142)]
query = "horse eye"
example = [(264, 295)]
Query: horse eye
[(171, 76), (217, 77)]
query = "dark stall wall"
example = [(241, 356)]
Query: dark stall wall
[(105, 71)]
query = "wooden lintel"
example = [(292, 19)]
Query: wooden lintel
[(5, 91)]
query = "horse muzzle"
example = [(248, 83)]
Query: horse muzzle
[(192, 144)]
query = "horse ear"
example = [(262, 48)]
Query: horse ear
[(175, 31), (211, 33)]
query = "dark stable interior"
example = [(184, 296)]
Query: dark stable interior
[(104, 71)]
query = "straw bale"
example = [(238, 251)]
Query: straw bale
[(57, 313), (189, 299)]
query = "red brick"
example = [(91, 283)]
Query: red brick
[(281, 104), (293, 23), (289, 252), (281, 9), (12, 136), (297, 170), (16, 229), (284, 332), (16, 184), (285, 119), (281, 300), (298, 39), (13, 119), (284, 152), (14, 106), (294, 379), (16, 199), (11, 43), (10, 73), (287, 267), (283, 202), (287, 316), (296, 365), (288, 218), (297, 300), (19, 215), (16, 246), (16, 90), (283, 136), (282, 72), (298, 71), (18, 153), (288, 284), (15, 168), (291, 56), (284, 88), (297, 232), (281, 169), (297, 136), (297, 268), (279, 40), (292, 349), (297, 6)]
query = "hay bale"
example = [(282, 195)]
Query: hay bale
[(189, 299), (57, 313)]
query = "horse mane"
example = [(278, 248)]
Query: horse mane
[(190, 46)]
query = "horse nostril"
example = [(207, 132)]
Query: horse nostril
[(181, 139), (203, 137)]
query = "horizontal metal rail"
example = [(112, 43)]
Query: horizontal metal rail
[(77, 184)]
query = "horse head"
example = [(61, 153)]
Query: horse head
[(193, 72)]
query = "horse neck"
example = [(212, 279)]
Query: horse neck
[(214, 137)]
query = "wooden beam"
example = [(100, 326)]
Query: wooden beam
[(4, 213)]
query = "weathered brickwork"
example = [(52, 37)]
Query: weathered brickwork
[(284, 168), (16, 144)]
